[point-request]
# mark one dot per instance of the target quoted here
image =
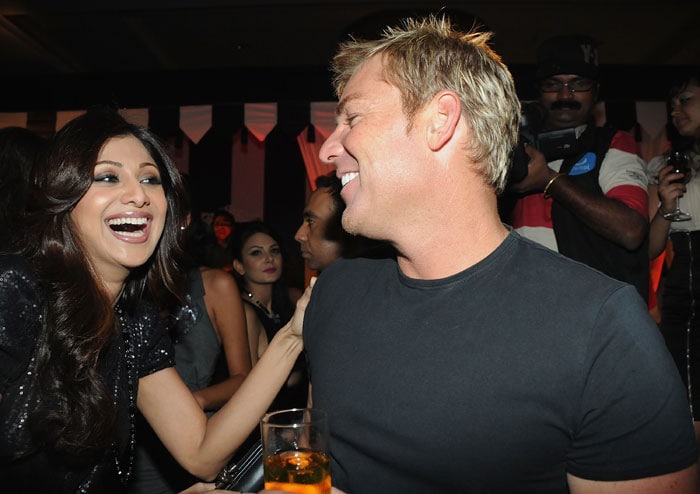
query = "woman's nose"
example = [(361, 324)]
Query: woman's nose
[(135, 193)]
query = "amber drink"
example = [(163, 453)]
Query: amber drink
[(295, 451), (304, 472)]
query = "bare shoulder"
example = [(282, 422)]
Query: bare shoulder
[(218, 280), (684, 481), (250, 314)]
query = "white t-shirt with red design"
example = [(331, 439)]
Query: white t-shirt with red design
[(622, 176)]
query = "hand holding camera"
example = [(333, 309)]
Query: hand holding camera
[(529, 170), (538, 173)]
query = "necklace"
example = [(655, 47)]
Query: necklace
[(270, 314)]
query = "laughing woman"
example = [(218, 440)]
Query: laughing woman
[(80, 342)]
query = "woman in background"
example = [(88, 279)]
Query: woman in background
[(268, 300), (219, 250), (680, 301)]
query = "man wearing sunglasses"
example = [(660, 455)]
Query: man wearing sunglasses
[(589, 202)]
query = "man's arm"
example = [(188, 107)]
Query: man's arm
[(682, 482), (608, 217)]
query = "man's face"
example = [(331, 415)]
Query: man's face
[(566, 105), (318, 251), (379, 157), (222, 228)]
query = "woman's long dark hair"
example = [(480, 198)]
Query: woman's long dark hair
[(19, 150), (79, 324)]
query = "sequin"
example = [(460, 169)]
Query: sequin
[(144, 349)]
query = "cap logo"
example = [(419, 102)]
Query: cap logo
[(590, 54)]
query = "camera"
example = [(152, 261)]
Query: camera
[(554, 144)]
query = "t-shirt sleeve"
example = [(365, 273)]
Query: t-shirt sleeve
[(155, 346), (20, 319), (634, 420), (656, 164), (623, 174)]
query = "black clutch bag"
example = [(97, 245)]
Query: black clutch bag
[(246, 474)]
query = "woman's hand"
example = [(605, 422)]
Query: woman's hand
[(333, 491), (206, 487), (670, 188), (200, 487), (297, 321)]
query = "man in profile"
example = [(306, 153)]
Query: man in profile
[(476, 361), (321, 236)]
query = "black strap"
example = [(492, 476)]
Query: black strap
[(246, 475), (594, 139)]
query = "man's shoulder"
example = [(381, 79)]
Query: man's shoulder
[(358, 266), (614, 138), (541, 265), (349, 273), (624, 141)]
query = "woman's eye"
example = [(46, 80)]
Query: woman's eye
[(106, 178), (152, 180)]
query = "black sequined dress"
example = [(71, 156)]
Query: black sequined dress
[(140, 349)]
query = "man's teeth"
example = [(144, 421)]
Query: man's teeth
[(348, 177)]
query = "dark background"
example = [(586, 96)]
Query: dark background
[(67, 54), (162, 54)]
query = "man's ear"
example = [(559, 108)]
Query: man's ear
[(445, 113)]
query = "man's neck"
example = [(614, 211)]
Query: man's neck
[(447, 252)]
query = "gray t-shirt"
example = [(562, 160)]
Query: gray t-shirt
[(501, 378)]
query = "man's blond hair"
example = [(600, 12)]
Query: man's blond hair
[(425, 56)]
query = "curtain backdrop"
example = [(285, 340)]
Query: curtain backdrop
[(240, 179), (322, 117), (261, 118)]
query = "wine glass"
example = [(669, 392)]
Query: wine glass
[(680, 163)]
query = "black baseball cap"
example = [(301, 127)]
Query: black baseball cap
[(568, 54)]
